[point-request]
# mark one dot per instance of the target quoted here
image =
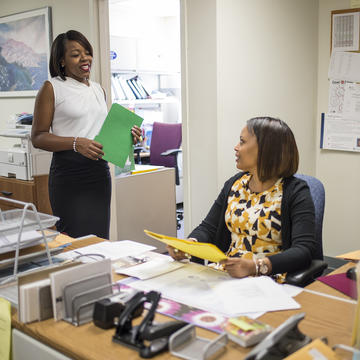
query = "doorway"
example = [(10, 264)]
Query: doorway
[(145, 67)]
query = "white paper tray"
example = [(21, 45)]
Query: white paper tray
[(10, 221), (26, 242)]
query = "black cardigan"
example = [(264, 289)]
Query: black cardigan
[(297, 225)]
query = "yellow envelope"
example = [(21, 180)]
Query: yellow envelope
[(204, 251)]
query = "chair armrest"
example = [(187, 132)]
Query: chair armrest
[(307, 276), (139, 148), (171, 152)]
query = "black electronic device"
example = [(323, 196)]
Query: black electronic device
[(351, 273), (108, 309), (25, 119), (147, 338)]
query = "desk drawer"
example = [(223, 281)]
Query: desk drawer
[(17, 190)]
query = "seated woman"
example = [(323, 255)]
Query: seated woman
[(264, 217)]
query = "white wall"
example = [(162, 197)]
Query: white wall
[(338, 170), (264, 56), (199, 108)]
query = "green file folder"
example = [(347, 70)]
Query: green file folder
[(115, 135)]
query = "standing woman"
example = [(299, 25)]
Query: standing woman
[(74, 108)]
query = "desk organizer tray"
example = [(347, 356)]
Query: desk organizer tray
[(8, 243), (31, 257), (80, 297), (10, 221), (186, 345)]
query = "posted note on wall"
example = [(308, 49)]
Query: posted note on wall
[(340, 132)]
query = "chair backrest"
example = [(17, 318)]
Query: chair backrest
[(318, 195), (164, 137)]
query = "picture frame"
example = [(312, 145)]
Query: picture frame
[(25, 40)]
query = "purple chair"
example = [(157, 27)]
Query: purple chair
[(165, 145)]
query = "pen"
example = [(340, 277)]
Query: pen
[(138, 260)]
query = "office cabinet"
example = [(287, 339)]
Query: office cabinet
[(146, 201), (34, 191), (26, 347)]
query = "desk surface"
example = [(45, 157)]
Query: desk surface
[(325, 316)]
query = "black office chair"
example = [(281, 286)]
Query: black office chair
[(318, 265)]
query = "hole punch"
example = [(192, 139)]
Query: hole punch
[(147, 338)]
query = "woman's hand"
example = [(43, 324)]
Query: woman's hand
[(238, 267), (177, 254), (136, 134), (89, 148)]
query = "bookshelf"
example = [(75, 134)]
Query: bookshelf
[(140, 102)]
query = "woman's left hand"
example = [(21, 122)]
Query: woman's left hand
[(238, 267), (136, 134)]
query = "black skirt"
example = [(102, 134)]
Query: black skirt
[(80, 193)]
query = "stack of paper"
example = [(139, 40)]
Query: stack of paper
[(112, 250), (217, 292), (154, 264), (35, 301)]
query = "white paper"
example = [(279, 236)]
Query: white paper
[(113, 250), (337, 90), (28, 238), (344, 97), (292, 290), (352, 99), (344, 66), (215, 291), (60, 279), (155, 265), (340, 132), (345, 32)]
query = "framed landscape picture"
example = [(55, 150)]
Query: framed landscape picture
[(24, 52)]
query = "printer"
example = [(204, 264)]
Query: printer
[(23, 161)]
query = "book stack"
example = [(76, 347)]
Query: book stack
[(130, 89)]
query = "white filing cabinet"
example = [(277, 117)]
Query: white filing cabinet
[(146, 201), (24, 347)]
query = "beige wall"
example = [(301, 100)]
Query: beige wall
[(338, 170), (264, 55), (199, 95), (65, 16)]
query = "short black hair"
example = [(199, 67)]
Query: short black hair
[(58, 50), (278, 155)]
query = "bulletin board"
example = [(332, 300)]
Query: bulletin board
[(340, 126)]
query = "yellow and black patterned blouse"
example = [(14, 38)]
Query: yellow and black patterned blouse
[(254, 220)]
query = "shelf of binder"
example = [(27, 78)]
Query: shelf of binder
[(145, 72), (21, 228), (129, 89), (166, 100)]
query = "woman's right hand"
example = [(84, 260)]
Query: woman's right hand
[(177, 254), (89, 148)]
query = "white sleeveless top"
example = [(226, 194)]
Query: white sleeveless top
[(80, 110)]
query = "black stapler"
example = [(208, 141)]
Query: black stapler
[(155, 336)]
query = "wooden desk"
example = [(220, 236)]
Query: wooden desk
[(325, 316)]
